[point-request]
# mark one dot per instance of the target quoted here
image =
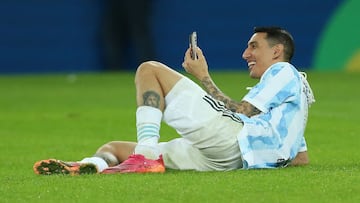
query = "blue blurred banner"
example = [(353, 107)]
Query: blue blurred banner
[(40, 36)]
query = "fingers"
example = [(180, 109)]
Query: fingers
[(184, 65), (199, 52), (187, 54), (188, 60)]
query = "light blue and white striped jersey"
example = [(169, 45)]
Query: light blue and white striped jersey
[(275, 136)]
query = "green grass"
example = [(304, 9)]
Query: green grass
[(63, 117)]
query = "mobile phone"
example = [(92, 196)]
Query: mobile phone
[(193, 45)]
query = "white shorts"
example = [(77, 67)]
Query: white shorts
[(208, 131)]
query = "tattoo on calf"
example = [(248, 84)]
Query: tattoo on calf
[(151, 98)]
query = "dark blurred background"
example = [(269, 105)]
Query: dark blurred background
[(71, 36)]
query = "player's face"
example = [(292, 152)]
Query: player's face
[(258, 55)]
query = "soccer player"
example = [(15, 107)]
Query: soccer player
[(263, 130)]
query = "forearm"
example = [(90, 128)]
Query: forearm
[(235, 106), (216, 93)]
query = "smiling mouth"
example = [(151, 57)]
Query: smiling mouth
[(251, 64)]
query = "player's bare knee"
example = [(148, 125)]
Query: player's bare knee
[(146, 67), (144, 70)]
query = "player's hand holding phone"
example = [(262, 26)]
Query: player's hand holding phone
[(194, 60)]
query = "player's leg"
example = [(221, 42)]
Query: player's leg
[(115, 152), (153, 82), (109, 154)]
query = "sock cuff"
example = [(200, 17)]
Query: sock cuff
[(99, 162), (148, 114)]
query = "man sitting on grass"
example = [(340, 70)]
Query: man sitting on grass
[(263, 130)]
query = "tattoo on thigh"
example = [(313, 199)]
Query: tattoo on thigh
[(151, 98)]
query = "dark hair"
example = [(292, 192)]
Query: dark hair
[(277, 35)]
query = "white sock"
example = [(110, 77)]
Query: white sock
[(97, 161), (148, 121)]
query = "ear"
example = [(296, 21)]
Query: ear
[(278, 51)]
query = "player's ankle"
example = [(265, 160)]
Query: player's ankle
[(97, 161), (148, 152)]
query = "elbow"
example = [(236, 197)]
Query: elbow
[(301, 159)]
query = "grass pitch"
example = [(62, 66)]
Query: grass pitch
[(69, 116)]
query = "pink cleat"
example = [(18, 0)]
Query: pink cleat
[(137, 163)]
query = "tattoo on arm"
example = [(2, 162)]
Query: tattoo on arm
[(151, 98), (239, 107), (247, 109)]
